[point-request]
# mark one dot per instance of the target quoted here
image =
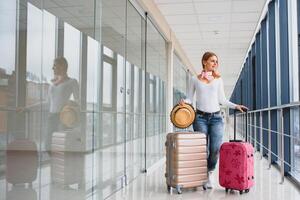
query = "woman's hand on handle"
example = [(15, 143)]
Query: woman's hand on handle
[(241, 108), (181, 102)]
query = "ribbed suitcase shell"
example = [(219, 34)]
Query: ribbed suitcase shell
[(186, 165), (67, 162), (236, 168)]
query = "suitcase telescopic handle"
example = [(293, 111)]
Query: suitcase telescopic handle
[(234, 124), (234, 127)]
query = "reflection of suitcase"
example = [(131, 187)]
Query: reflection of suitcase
[(236, 168), (186, 165), (67, 140), (67, 162), (21, 161)]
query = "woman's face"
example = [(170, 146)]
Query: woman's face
[(211, 63), (57, 69)]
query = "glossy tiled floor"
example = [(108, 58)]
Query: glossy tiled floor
[(145, 186), (267, 187)]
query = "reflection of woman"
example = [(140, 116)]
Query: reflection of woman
[(59, 94), (209, 90)]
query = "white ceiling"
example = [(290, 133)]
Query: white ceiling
[(225, 27)]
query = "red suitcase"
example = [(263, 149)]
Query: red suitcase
[(236, 167)]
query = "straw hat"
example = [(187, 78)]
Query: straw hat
[(69, 115), (182, 116)]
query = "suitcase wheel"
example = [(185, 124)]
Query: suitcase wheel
[(169, 188), (247, 190), (241, 191), (178, 189), (204, 187), (226, 190)]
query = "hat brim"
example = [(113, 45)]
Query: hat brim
[(69, 116), (182, 116)]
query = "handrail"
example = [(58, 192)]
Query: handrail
[(278, 133), (275, 155), (251, 123), (289, 105)]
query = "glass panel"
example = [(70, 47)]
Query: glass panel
[(7, 37), (135, 37), (91, 91), (156, 66), (180, 76), (108, 128), (295, 144), (296, 131), (112, 130), (107, 84), (128, 87), (34, 62), (49, 36), (108, 52), (30, 120), (63, 80), (120, 84), (151, 93), (72, 49), (92, 72), (137, 91), (8, 83)]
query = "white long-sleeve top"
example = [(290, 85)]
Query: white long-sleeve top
[(58, 95), (209, 96)]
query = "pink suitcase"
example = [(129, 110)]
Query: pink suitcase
[(236, 167), (21, 162)]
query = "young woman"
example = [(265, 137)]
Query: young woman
[(209, 89), (60, 90), (59, 93)]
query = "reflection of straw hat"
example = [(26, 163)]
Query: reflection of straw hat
[(69, 115), (182, 116)]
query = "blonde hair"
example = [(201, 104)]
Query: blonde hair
[(62, 61)]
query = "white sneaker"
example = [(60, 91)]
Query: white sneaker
[(208, 184)]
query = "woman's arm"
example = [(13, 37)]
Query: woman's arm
[(76, 91), (226, 102), (222, 98)]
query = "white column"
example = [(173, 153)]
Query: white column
[(293, 50), (169, 105)]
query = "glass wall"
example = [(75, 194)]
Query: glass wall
[(135, 95), (180, 80), (296, 114), (278, 77), (156, 78), (74, 120)]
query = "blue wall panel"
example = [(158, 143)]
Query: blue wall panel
[(264, 82), (272, 77), (284, 72), (258, 71)]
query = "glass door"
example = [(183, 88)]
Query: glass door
[(134, 93)]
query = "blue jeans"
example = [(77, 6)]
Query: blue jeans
[(53, 125), (213, 127)]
